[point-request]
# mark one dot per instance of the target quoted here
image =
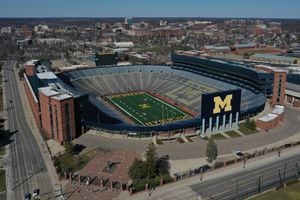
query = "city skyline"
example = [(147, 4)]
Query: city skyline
[(155, 8)]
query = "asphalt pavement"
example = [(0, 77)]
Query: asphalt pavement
[(25, 167), (234, 182)]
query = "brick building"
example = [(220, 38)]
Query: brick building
[(271, 120), (52, 106), (279, 83)]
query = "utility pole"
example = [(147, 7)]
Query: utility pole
[(201, 174), (279, 173), (259, 184), (284, 170), (298, 169), (237, 190)]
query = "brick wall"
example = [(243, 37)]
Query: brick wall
[(45, 114), (30, 70), (61, 132), (33, 104), (279, 92)]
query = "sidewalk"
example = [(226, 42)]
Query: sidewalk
[(186, 164), (115, 136), (231, 169)]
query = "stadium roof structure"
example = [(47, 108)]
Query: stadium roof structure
[(274, 57), (246, 45), (218, 48), (46, 75)]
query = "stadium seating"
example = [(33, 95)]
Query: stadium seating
[(99, 82)]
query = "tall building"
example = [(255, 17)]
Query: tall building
[(129, 20), (279, 83), (52, 106)]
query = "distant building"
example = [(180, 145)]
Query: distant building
[(24, 43), (6, 30), (106, 58), (199, 25), (40, 28), (129, 21), (274, 59), (138, 58), (123, 44), (245, 46), (275, 25), (50, 41), (216, 49)]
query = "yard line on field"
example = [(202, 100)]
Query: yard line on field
[(169, 105), (121, 108)]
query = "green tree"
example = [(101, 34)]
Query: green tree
[(151, 160), (252, 124), (69, 148), (21, 72), (163, 165), (211, 150), (137, 169), (246, 55), (247, 122)]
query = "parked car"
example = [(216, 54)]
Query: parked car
[(27, 196), (35, 192), (239, 154)]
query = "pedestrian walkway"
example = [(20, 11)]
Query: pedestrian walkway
[(213, 175)]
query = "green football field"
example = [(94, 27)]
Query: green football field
[(146, 109)]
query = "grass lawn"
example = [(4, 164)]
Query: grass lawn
[(189, 139), (290, 193), (146, 109), (2, 180), (180, 140), (233, 134), (217, 136), (246, 130)]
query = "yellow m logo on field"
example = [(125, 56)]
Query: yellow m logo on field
[(222, 104)]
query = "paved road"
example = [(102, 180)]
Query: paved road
[(25, 166), (235, 183)]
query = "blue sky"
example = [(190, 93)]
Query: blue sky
[(151, 8)]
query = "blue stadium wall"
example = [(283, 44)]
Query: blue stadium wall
[(244, 76)]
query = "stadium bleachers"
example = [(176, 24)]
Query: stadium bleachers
[(99, 82)]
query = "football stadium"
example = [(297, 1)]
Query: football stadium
[(146, 99), (195, 95)]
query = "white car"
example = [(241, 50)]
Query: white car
[(35, 192)]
